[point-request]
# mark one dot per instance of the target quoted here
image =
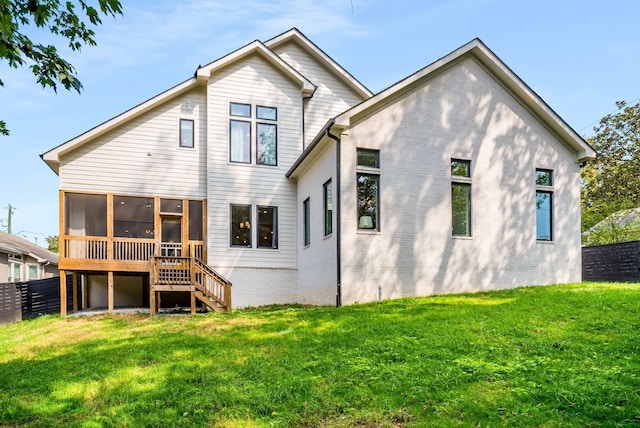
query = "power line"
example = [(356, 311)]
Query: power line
[(615, 111)]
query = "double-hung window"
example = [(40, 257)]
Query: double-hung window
[(544, 204), (241, 140), (368, 189), (460, 197)]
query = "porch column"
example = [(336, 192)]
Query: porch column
[(63, 294), (110, 290)]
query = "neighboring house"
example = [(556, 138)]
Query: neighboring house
[(21, 260), (275, 169)]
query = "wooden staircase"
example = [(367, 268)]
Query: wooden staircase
[(188, 274)]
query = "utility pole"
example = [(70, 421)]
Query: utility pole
[(11, 210)]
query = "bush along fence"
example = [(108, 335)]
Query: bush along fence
[(26, 300), (612, 262)]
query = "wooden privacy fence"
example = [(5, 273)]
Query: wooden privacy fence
[(26, 300), (612, 262)]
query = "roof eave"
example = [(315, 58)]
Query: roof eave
[(322, 57)]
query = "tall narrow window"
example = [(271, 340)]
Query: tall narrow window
[(328, 208), (544, 205), (186, 133), (240, 141), (241, 226), (368, 192), (460, 197), (307, 222), (267, 227), (267, 144)]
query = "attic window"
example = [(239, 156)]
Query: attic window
[(186, 133)]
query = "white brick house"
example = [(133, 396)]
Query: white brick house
[(289, 178)]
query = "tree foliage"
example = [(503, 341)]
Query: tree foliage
[(69, 20), (52, 243), (612, 182)]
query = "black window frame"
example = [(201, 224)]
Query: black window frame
[(306, 221), (245, 225), (274, 223), (327, 211), (461, 180), (181, 135), (248, 123), (361, 151), (362, 223), (545, 187), (275, 126), (231, 104)]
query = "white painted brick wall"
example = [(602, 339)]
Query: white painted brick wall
[(460, 113)]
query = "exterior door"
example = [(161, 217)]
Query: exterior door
[(171, 236)]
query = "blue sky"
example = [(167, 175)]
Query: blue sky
[(579, 56)]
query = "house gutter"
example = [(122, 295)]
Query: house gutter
[(337, 205)]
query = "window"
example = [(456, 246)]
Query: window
[(544, 205), (368, 191), (267, 113), (266, 145), (267, 227), (327, 192), (370, 158), (186, 133), (460, 197), (242, 143), (241, 226), (241, 110), (33, 272), (307, 222), (15, 272)]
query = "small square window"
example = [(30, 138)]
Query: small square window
[(186, 133), (266, 113), (544, 177), (460, 168), (370, 158), (242, 110)]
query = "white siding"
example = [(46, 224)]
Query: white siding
[(252, 81), (142, 156), (317, 277), (460, 113), (330, 99)]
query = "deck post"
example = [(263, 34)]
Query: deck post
[(110, 290), (152, 301), (74, 276), (63, 294)]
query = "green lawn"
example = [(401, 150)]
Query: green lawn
[(539, 356)]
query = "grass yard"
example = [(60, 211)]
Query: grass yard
[(539, 356)]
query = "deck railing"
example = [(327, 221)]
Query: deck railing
[(181, 273), (123, 249)]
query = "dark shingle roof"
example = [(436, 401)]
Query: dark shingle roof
[(16, 245)]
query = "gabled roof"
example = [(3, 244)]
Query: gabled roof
[(256, 47), (477, 50), (202, 74), (301, 40), (494, 65), (12, 244)]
